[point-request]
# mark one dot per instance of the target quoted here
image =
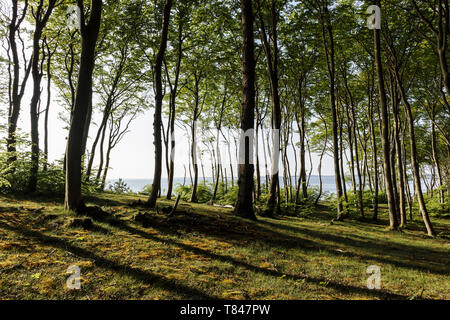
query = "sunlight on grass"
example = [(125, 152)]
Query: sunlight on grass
[(206, 252)]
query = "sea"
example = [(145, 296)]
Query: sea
[(138, 185)]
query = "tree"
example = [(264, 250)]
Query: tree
[(244, 204), (17, 86), (324, 17), (271, 53), (89, 34), (174, 88), (41, 16), (385, 130), (151, 202)]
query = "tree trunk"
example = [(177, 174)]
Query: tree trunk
[(414, 161), (436, 156), (35, 100), (100, 133), (319, 169), (301, 128), (194, 198), (374, 152), (272, 67), (151, 202), (401, 183), (105, 172), (385, 131), (328, 44), (173, 96), (89, 35), (16, 91), (244, 203), (47, 108), (258, 172), (102, 157), (219, 128), (41, 18)]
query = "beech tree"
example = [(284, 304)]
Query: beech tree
[(385, 131), (83, 98), (271, 53), (17, 82), (156, 185), (41, 14), (244, 204)]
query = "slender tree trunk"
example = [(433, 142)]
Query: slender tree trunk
[(266, 171), (385, 131), (436, 156), (405, 175), (102, 144), (47, 108), (328, 44), (100, 133), (173, 96), (272, 67), (41, 17), (341, 158), (194, 198), (151, 202), (219, 128), (231, 161), (258, 172), (353, 141), (358, 170), (414, 160), (401, 183), (319, 169), (35, 100), (105, 172), (374, 150), (302, 152), (18, 87)]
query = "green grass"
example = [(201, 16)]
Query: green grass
[(205, 252)]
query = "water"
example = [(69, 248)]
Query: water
[(328, 183), (137, 185)]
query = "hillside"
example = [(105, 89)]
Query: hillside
[(205, 252)]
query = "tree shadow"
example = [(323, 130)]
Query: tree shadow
[(104, 201), (379, 249), (229, 227), (141, 275), (238, 263)]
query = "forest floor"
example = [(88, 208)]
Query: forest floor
[(204, 252)]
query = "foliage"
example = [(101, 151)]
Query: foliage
[(204, 192), (119, 187), (147, 189), (436, 208)]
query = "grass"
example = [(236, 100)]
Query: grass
[(205, 252)]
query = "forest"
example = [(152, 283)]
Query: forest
[(262, 97)]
